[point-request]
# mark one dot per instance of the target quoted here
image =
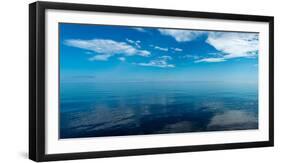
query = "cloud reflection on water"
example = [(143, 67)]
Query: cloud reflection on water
[(153, 111)]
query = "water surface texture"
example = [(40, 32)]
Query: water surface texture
[(137, 108)]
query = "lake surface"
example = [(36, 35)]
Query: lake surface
[(137, 108)]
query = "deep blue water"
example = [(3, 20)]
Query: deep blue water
[(138, 108)]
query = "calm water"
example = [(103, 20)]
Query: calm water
[(137, 108)]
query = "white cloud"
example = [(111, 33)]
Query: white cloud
[(234, 45), (122, 59), (181, 35), (177, 49), (165, 57), (144, 53), (103, 57), (210, 60), (157, 63), (189, 56), (139, 29), (130, 41), (106, 48), (160, 48), (135, 43), (161, 62)]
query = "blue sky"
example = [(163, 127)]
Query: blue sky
[(118, 54)]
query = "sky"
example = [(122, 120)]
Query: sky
[(105, 53)]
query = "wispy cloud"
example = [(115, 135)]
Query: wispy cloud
[(159, 48), (189, 56), (106, 48), (165, 57), (135, 43), (181, 35), (103, 57), (234, 45), (177, 49), (162, 49), (161, 62), (140, 29), (157, 63), (210, 60)]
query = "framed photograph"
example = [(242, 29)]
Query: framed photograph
[(117, 81)]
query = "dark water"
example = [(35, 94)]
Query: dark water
[(138, 108)]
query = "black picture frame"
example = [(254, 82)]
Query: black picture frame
[(37, 80)]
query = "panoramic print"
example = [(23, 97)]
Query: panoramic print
[(123, 81)]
